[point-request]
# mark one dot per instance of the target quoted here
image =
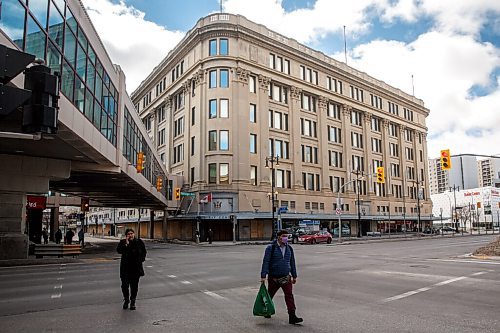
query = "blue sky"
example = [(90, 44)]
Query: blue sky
[(451, 47)]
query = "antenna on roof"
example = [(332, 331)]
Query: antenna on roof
[(345, 47), (220, 6), (412, 86)]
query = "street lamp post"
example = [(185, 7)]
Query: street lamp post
[(270, 163), (455, 188), (338, 203), (359, 177)]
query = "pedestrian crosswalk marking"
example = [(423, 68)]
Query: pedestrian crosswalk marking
[(58, 286), (172, 276), (56, 296), (186, 282), (212, 294)]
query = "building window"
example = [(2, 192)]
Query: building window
[(408, 135), (395, 170), (333, 111), (193, 116), (278, 120), (279, 148), (223, 46), (212, 109), (192, 145), (308, 102), (309, 154), (279, 63), (334, 85), (253, 175), (356, 118), (191, 177), (409, 153), (334, 134), (252, 84), (376, 101), (212, 140), (375, 124), (179, 153), (253, 143), (308, 127), (356, 140), (253, 113), (393, 130), (224, 108), (224, 140), (212, 173), (393, 149), (335, 159), (212, 79), (224, 78), (161, 137), (358, 163), (408, 114), (376, 145), (309, 75), (356, 93), (393, 108), (213, 47), (223, 173), (278, 93), (178, 126)]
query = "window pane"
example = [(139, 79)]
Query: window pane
[(35, 39), (67, 81), (69, 46), (224, 108), (97, 115), (224, 78), (213, 47), (39, 9), (212, 173), (81, 64), (253, 175), (90, 76), (60, 4), (212, 83), (12, 21), (79, 94), (213, 109), (54, 58), (56, 25), (212, 140), (223, 50), (224, 140), (253, 113), (223, 173), (253, 143), (89, 103), (70, 20)]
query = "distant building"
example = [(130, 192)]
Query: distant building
[(463, 174), (488, 171)]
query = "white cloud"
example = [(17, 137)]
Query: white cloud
[(137, 45)]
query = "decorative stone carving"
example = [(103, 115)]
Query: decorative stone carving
[(322, 102), (367, 116), (242, 75), (346, 110), (385, 123), (264, 82), (199, 77), (168, 101), (295, 93), (186, 86)]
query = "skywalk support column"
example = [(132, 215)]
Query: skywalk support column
[(21, 175)]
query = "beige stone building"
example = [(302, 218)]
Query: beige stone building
[(233, 92)]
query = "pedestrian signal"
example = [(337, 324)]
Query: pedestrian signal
[(177, 193), (159, 183), (380, 175), (445, 159), (141, 161)]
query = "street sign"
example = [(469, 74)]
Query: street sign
[(282, 210), (338, 211), (187, 194)]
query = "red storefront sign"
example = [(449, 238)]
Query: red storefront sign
[(36, 202)]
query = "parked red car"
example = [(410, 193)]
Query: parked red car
[(321, 236)]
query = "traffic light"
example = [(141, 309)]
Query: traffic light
[(445, 159), (380, 175), (141, 161), (85, 204), (159, 183), (12, 62), (177, 193), (40, 113)]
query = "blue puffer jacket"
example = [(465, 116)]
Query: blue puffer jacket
[(279, 266)]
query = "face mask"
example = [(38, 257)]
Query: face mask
[(284, 239)]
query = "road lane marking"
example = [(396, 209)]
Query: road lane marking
[(56, 296), (149, 266), (439, 284), (212, 294), (185, 282), (60, 278), (58, 286), (467, 261), (172, 276)]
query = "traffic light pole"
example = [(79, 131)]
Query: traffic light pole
[(457, 188)]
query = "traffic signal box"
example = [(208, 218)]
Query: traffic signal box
[(159, 183), (141, 161), (85, 204), (380, 175), (445, 159), (177, 193)]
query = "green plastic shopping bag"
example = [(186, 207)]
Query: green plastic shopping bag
[(263, 305)]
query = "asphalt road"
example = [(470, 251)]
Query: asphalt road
[(399, 286)]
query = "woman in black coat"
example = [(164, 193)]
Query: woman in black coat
[(133, 254)]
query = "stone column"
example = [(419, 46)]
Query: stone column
[(323, 145), (295, 149)]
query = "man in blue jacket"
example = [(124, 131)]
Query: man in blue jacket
[(279, 267)]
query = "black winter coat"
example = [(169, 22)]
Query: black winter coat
[(133, 255)]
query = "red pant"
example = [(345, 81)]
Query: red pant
[(273, 287)]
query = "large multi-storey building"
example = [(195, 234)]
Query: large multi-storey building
[(232, 93), (463, 174), (488, 171)]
